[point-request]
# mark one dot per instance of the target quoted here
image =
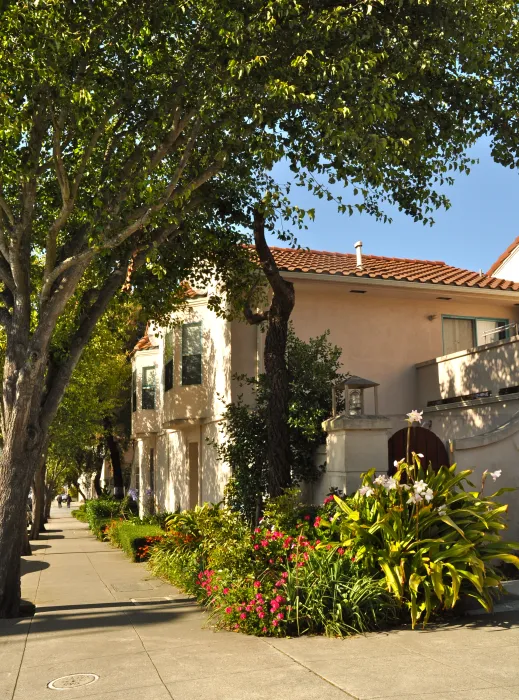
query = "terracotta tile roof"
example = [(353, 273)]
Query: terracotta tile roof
[(377, 267), (513, 245), (143, 344)]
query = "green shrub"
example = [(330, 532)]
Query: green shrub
[(133, 538), (431, 539), (80, 513), (98, 527)]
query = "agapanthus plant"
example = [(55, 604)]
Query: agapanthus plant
[(431, 534)]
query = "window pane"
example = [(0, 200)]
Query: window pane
[(168, 376), (488, 331), (148, 387), (458, 334), (191, 369), (168, 346), (191, 339)]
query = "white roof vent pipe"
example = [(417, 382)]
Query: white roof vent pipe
[(358, 248)]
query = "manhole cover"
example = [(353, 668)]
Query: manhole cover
[(74, 681)]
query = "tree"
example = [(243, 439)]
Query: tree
[(276, 317), (132, 133), (312, 368)]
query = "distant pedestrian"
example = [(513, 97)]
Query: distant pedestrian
[(59, 500), (69, 500)]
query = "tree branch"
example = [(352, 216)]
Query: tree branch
[(268, 264), (77, 343)]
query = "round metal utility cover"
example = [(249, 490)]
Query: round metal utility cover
[(74, 681)]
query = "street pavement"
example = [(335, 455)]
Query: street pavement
[(105, 629)]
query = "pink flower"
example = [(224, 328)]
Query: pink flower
[(256, 546), (307, 517), (243, 616), (340, 551), (280, 616), (284, 574), (228, 610), (225, 591), (317, 521), (274, 623), (248, 608), (261, 615), (257, 584), (264, 543), (256, 530)]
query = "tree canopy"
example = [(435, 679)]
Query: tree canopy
[(136, 137)]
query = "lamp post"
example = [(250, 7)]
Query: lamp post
[(353, 389)]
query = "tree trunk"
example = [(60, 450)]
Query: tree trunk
[(278, 433), (97, 481), (49, 497), (115, 458), (26, 545), (15, 479), (38, 502), (276, 371)]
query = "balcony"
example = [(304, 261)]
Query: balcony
[(484, 372)]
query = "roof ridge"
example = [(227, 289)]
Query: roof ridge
[(331, 253)]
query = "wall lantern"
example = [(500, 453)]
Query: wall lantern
[(353, 389)]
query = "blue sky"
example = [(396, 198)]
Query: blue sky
[(482, 221)]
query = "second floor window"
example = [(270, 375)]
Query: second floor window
[(134, 390), (462, 333), (148, 387), (168, 360), (191, 353)]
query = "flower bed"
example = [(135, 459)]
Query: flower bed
[(402, 547)]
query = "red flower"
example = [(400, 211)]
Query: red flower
[(257, 584), (307, 517)]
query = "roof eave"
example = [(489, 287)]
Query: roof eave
[(401, 284)]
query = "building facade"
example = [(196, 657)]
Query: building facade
[(434, 337)]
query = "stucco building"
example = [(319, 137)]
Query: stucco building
[(434, 337)]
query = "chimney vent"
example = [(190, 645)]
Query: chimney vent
[(358, 248)]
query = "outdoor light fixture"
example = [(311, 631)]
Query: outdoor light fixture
[(353, 389)]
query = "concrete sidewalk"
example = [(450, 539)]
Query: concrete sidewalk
[(86, 623)]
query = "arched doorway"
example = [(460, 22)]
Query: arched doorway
[(422, 441)]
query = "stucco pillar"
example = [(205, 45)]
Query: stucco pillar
[(353, 446)]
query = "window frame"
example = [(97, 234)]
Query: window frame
[(145, 387), (474, 319), (134, 390), (169, 365), (200, 354)]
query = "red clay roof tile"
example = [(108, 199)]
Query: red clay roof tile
[(378, 267)]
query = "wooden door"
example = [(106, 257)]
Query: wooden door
[(193, 473), (422, 441)]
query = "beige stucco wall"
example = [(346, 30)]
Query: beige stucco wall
[(385, 332), (490, 368)]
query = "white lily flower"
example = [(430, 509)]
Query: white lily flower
[(380, 480), (366, 491), (390, 484), (414, 498), (420, 486), (419, 454), (429, 495), (442, 510), (415, 416), (406, 487), (495, 475)]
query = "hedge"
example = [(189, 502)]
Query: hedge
[(133, 538)]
